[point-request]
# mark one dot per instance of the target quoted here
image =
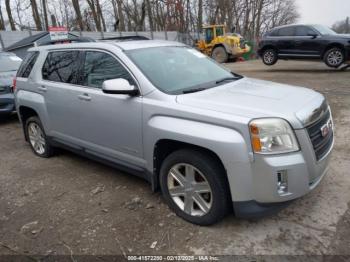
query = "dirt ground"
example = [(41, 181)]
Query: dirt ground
[(71, 205)]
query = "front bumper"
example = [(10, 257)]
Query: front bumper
[(7, 104), (304, 174)]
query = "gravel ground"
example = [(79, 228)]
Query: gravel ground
[(74, 206)]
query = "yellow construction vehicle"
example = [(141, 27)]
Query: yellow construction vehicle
[(221, 46)]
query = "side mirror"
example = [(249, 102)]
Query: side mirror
[(119, 86)]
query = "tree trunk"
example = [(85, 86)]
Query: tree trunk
[(100, 15), (45, 15), (95, 15), (150, 15), (9, 14), (76, 7), (2, 23), (53, 20), (120, 16), (200, 16), (36, 15)]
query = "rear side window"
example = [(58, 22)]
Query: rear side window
[(287, 31), (27, 64), (99, 67), (61, 66), (304, 31)]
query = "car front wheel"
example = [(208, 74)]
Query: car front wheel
[(269, 57), (334, 57), (195, 187)]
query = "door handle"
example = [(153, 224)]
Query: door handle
[(42, 88), (84, 97)]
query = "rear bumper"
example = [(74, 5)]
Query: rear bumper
[(7, 104)]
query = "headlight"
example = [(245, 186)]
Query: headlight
[(272, 136)]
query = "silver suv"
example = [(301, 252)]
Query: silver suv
[(210, 139)]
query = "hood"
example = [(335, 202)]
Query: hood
[(252, 98), (6, 78)]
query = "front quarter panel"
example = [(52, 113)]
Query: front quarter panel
[(228, 144)]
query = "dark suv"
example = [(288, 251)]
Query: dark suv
[(305, 42)]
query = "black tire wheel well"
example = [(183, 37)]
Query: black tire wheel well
[(335, 45), (25, 113), (214, 174), (165, 147)]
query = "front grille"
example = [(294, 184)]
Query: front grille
[(5, 89), (320, 143)]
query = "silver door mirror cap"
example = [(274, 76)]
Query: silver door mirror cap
[(119, 86)]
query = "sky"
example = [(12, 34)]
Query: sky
[(325, 12)]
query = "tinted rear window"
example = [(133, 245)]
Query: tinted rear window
[(287, 31), (27, 64), (62, 66), (9, 62)]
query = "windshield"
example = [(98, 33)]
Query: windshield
[(9, 62), (175, 70), (324, 30)]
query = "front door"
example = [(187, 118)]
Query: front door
[(307, 42), (111, 125)]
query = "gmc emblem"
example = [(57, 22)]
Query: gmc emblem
[(326, 128)]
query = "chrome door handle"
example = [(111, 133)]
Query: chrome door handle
[(42, 88), (84, 97)]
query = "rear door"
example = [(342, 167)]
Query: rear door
[(58, 86), (286, 41), (111, 124)]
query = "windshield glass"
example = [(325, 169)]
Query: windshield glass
[(324, 30), (9, 62), (175, 70)]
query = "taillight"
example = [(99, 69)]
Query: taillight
[(14, 82)]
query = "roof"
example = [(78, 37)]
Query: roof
[(28, 41), (124, 45)]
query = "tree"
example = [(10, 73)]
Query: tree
[(45, 15), (342, 27), (36, 15), (76, 6), (2, 23), (9, 15)]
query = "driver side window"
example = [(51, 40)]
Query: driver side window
[(99, 66)]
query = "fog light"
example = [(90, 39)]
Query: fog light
[(282, 182)]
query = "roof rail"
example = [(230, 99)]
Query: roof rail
[(64, 41), (126, 38)]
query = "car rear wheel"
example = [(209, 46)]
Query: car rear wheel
[(334, 57), (269, 57), (219, 54), (37, 137), (195, 187)]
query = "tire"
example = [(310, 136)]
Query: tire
[(219, 54), (269, 57), (334, 57), (209, 184), (37, 139)]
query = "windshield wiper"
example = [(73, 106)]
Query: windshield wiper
[(193, 90), (231, 78)]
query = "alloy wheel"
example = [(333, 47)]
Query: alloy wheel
[(335, 58), (269, 56), (189, 189), (36, 138)]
